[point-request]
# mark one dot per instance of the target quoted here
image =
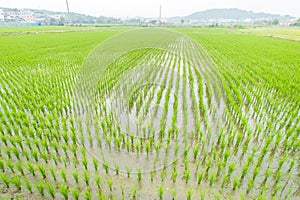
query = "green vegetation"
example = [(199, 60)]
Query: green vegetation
[(183, 113), (277, 32)]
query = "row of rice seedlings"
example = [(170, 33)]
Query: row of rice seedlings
[(163, 123), (257, 168), (149, 75), (36, 135)]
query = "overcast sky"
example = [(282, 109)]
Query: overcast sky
[(149, 8)]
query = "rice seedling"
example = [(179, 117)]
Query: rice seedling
[(64, 161), (200, 177), (163, 174), (122, 192), (281, 162), (117, 169), (2, 165), (34, 154), (186, 163), (161, 191), (245, 170), (127, 143), (95, 163), (226, 155), (87, 195), (242, 196), (139, 174), (187, 176), (212, 178), (250, 185), (63, 175), (202, 194), (288, 192), (276, 189), (5, 179), (86, 177), (263, 189), (105, 166), (16, 153), (189, 194), (42, 169), (54, 158), (292, 164), (255, 172), (152, 174), (16, 181), (196, 151), (20, 168), (110, 184), (51, 189), (98, 181), (236, 183), (53, 174), (174, 175), (10, 165), (75, 193), (133, 192), (64, 190), (128, 171), (147, 148), (101, 196), (40, 187), (84, 162), (28, 185), (278, 176), (137, 147), (75, 176)]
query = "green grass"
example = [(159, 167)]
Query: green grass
[(52, 29), (277, 32)]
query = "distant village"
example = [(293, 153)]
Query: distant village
[(288, 22), (28, 16), (35, 17)]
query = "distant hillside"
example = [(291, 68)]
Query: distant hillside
[(231, 15), (13, 15), (77, 18)]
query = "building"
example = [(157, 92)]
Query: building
[(58, 17), (27, 16), (1, 15), (287, 22)]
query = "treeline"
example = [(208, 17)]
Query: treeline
[(296, 23)]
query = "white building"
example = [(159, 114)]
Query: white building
[(27, 15), (1, 15), (287, 22), (247, 20), (12, 15), (57, 17)]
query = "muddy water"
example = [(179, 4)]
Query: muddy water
[(168, 152), (148, 123)]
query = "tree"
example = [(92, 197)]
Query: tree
[(275, 22), (296, 23), (61, 21), (153, 21), (182, 21)]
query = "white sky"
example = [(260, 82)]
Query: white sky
[(149, 8)]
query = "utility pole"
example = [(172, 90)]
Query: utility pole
[(69, 11), (159, 18), (68, 6)]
